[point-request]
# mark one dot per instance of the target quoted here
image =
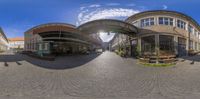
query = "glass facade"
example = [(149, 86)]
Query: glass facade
[(148, 45), (181, 46), (181, 34), (166, 44)]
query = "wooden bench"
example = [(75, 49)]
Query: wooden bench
[(159, 59), (167, 59), (144, 60)]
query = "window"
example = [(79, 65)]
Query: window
[(191, 45), (161, 20), (166, 44), (147, 22), (196, 46), (181, 46), (148, 45), (152, 21), (199, 35), (166, 21), (40, 46), (195, 32), (199, 46), (171, 21), (191, 29), (181, 24), (46, 46)]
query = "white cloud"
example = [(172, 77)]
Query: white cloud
[(95, 12), (95, 6), (113, 4), (90, 6), (165, 7), (84, 17), (81, 8)]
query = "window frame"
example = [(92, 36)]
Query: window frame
[(181, 24), (166, 21), (191, 29), (147, 22)]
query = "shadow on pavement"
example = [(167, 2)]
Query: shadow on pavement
[(193, 59), (6, 58), (64, 62)]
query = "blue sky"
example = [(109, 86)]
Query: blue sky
[(17, 16)]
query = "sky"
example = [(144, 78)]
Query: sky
[(17, 16)]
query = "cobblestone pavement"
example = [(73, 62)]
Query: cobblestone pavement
[(107, 76)]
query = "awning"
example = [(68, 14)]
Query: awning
[(108, 25)]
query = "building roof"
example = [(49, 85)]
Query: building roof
[(16, 39), (3, 34), (51, 24)]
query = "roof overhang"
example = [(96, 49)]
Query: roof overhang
[(67, 39), (52, 27), (108, 25)]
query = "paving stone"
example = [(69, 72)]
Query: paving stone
[(106, 76)]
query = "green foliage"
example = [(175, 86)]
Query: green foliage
[(120, 52), (137, 53), (158, 65)]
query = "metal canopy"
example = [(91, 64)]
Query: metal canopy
[(108, 25), (63, 36), (65, 39)]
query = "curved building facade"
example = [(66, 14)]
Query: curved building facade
[(57, 38), (166, 32), (155, 33)]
